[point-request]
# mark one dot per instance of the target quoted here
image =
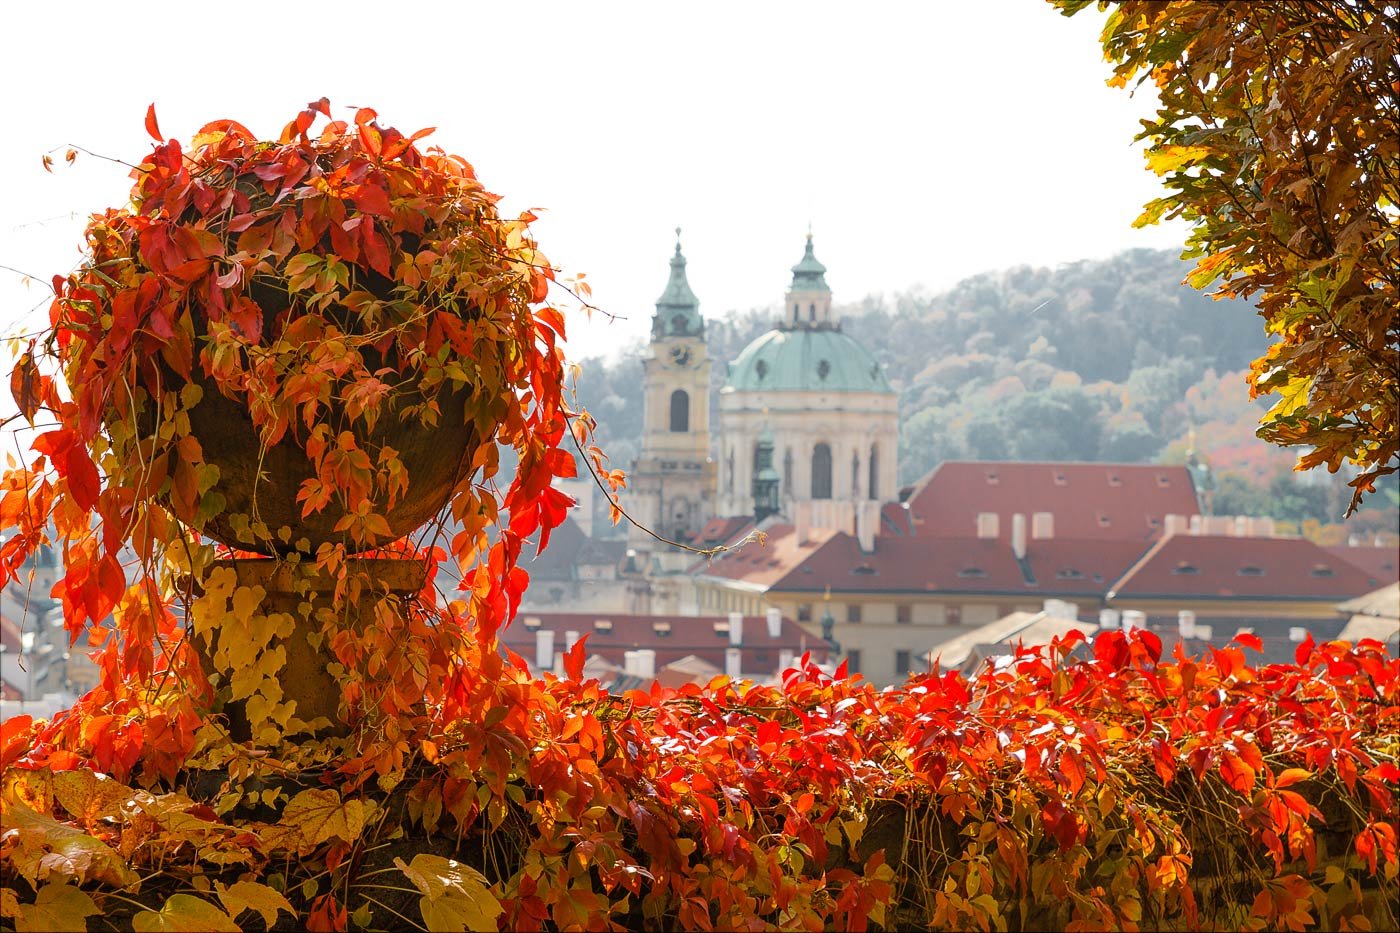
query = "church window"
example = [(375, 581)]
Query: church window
[(823, 369), (678, 324), (796, 312), (787, 472), (821, 472), (680, 411), (761, 367), (812, 312), (855, 475), (731, 469), (874, 471)]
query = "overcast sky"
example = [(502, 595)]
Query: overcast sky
[(924, 142)]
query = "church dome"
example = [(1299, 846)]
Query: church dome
[(806, 360)]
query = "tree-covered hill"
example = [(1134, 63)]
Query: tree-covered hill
[(1110, 360)]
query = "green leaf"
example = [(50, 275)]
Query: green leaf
[(457, 897), (184, 913), (57, 907)]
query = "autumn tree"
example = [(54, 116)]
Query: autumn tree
[(1276, 136)]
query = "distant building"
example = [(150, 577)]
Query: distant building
[(670, 648)]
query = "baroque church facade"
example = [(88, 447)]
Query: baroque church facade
[(807, 429)]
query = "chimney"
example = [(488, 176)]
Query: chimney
[(1264, 528), (629, 663), (1186, 623), (1297, 634), (646, 663), (1054, 608), (1205, 632), (732, 662), (775, 622), (1108, 619), (544, 649), (1042, 525), (785, 658), (1133, 618), (800, 520), (736, 628), (988, 525), (1197, 523), (867, 521), (1174, 524), (1018, 536)]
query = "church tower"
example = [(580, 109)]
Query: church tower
[(672, 483)]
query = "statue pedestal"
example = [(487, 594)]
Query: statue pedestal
[(286, 619)]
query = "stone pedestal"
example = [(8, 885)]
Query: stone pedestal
[(300, 591)]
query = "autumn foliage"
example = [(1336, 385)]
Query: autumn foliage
[(1067, 788), (1079, 786), (1278, 138)]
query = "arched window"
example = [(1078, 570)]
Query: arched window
[(812, 312), (875, 471), (796, 312), (680, 411), (731, 470), (678, 325), (787, 473), (855, 475), (821, 472)]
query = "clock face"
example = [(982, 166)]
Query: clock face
[(681, 355)]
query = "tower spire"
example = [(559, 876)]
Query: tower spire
[(677, 310)]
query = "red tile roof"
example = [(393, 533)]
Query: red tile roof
[(1053, 567), (1382, 564), (1213, 566), (1089, 500), (686, 636), (764, 564)]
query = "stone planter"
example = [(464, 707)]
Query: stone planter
[(262, 485)]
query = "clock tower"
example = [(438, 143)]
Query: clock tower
[(671, 486)]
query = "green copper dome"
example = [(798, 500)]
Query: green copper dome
[(677, 310), (802, 360), (809, 275)]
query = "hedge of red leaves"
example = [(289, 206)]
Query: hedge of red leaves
[(1074, 786)]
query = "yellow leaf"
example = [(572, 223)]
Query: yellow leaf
[(184, 913), (1293, 396), (320, 815), (40, 846), (456, 897), (88, 796), (249, 895), (1172, 158), (57, 907)]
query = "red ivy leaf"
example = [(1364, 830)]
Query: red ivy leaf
[(151, 126)]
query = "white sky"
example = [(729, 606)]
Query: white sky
[(925, 142)]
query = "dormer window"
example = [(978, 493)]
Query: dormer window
[(761, 368), (602, 625), (863, 570), (661, 629), (1184, 569), (1321, 570), (533, 622), (1115, 480), (823, 369), (1061, 479), (1069, 573), (1163, 480), (972, 573), (992, 478), (1249, 570), (1104, 520)]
